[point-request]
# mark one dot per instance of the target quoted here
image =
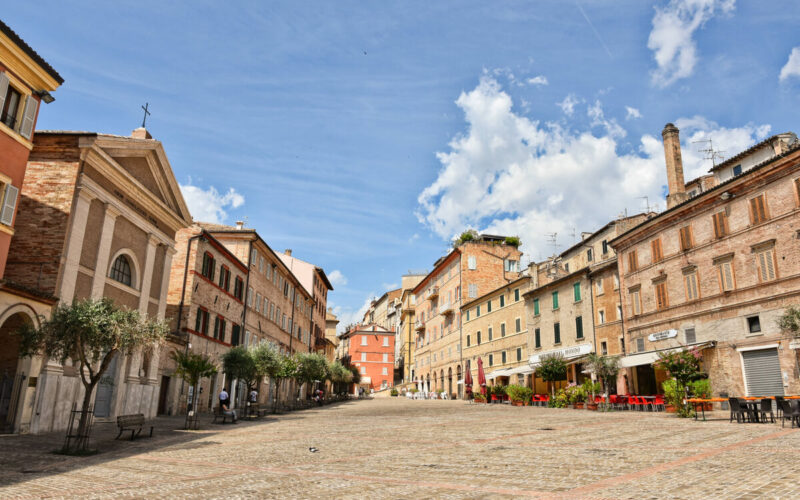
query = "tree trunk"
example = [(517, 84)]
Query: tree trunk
[(83, 425)]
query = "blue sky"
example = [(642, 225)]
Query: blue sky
[(364, 135)]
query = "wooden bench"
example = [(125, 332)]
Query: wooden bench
[(133, 423), (219, 414), (255, 410)]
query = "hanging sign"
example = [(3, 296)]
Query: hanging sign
[(666, 334)]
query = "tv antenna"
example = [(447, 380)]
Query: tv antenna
[(573, 233), (709, 152), (552, 238), (649, 207)]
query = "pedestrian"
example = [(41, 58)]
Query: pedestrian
[(225, 405), (253, 396)]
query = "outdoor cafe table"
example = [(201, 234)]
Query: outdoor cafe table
[(749, 400), (700, 401)]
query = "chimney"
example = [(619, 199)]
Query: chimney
[(141, 133), (288, 252), (672, 155), (239, 225)]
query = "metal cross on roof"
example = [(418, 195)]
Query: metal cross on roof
[(146, 113)]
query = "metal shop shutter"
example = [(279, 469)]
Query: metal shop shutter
[(762, 371)]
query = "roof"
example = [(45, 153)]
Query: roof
[(30, 52), (704, 194), (750, 150), (609, 224)]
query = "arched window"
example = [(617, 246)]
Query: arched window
[(121, 270)]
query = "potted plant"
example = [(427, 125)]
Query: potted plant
[(560, 400), (394, 393), (701, 388), (590, 389), (478, 397), (519, 395), (498, 393), (575, 395), (673, 396), (683, 367)]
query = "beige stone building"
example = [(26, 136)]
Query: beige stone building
[(205, 310), (716, 270), (331, 322), (405, 329), (315, 281), (471, 269), (98, 216), (495, 329)]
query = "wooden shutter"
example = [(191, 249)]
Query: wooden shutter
[(28, 117), (661, 295), (3, 89), (720, 226), (658, 254), (758, 211), (635, 304), (686, 238), (9, 204), (632, 261), (766, 265), (796, 186), (691, 286), (726, 276)]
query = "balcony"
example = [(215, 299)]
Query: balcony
[(391, 309), (419, 325), (446, 308), (432, 292)]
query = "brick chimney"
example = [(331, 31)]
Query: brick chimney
[(239, 225), (288, 252), (672, 155), (141, 133)]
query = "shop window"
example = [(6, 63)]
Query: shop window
[(754, 324)]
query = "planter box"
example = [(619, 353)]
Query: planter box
[(517, 403), (578, 406), (671, 409), (591, 406)]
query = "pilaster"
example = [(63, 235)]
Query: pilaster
[(104, 251), (147, 275), (80, 215)]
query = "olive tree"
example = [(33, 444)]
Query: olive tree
[(90, 332), (192, 367)]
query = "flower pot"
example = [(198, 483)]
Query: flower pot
[(591, 406), (579, 406), (516, 403), (494, 397), (671, 409)]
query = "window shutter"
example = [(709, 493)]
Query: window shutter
[(28, 117), (9, 204), (3, 88)]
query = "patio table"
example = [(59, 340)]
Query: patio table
[(700, 401)]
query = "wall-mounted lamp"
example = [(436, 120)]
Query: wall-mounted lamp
[(45, 96), (725, 196)]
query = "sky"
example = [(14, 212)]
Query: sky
[(366, 135)]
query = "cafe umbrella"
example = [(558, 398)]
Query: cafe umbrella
[(481, 377), (468, 380)]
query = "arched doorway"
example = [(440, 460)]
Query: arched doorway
[(441, 377), (428, 382), (449, 381), (10, 382), (433, 388)]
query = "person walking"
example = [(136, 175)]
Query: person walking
[(225, 405)]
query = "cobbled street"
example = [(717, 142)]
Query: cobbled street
[(396, 448)]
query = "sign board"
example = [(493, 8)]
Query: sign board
[(794, 344), (566, 352), (666, 334)]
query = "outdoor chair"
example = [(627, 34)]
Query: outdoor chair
[(766, 408), (742, 414), (659, 403), (778, 400), (789, 413)]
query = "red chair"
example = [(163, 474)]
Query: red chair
[(659, 403), (614, 400), (599, 399), (635, 403)]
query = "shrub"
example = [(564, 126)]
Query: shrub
[(512, 241), (673, 394), (519, 393), (559, 401), (477, 396), (394, 392), (701, 388), (575, 394), (499, 390), (590, 389)]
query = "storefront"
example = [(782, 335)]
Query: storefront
[(639, 375), (573, 356)]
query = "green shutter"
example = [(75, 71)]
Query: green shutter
[(198, 322), (557, 333), (555, 300), (576, 288), (535, 307), (579, 326), (538, 335)]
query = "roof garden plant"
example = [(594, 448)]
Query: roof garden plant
[(512, 241)]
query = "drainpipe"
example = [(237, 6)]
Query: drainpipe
[(180, 305)]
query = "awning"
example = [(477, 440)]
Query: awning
[(567, 353), (498, 373), (521, 370), (650, 357)]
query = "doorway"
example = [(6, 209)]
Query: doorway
[(105, 390), (162, 395)]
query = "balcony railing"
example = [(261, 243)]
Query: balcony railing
[(446, 308), (419, 324), (432, 292)]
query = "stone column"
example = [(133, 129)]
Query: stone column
[(80, 215), (147, 274), (104, 251), (162, 300)]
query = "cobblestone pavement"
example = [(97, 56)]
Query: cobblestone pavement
[(396, 448)]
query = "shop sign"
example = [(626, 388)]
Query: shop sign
[(566, 353), (666, 334), (794, 344)]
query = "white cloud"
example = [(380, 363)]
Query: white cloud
[(568, 104), (538, 80), (390, 286), (632, 113), (209, 205), (337, 278), (349, 316), (674, 50), (510, 174), (792, 66), (595, 112)]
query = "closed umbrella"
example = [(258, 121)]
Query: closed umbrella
[(481, 377), (468, 380)]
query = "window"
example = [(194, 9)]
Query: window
[(557, 333), (478, 337), (753, 324), (633, 262), (283, 322), (502, 301), (502, 330), (518, 325), (599, 285), (384, 371), (737, 170), (363, 356), (725, 275), (238, 288), (235, 332), (491, 359), (537, 338), (603, 348), (636, 302), (467, 314), (601, 317), (758, 210), (685, 235), (535, 307), (272, 312), (473, 291), (555, 300), (121, 271), (258, 302), (503, 357), (385, 341), (363, 370), (605, 247), (250, 296), (224, 278), (576, 291), (478, 312), (468, 344), (720, 221), (655, 248), (616, 282), (766, 264), (9, 203), (208, 266), (201, 321), (489, 306), (640, 344), (472, 263), (219, 328), (566, 267), (490, 333), (690, 283), (519, 353), (661, 295), (690, 336), (253, 257), (619, 312), (622, 345), (516, 295), (511, 266), (579, 327), (363, 340), (589, 256), (10, 103)]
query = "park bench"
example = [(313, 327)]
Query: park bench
[(133, 423)]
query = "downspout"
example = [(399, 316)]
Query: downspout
[(180, 308)]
